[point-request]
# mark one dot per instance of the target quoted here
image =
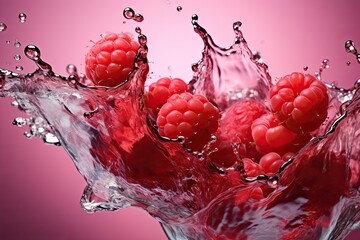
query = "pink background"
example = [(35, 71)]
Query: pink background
[(40, 187)]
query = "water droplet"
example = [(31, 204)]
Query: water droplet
[(142, 40), (22, 17), (17, 44), (19, 68), (15, 104), (138, 30), (50, 138), (19, 121), (124, 22), (195, 67), (104, 34), (273, 181), (179, 8), (32, 52), (350, 47), (257, 57), (348, 63), (17, 57), (237, 26), (138, 17), (129, 13), (7, 41), (71, 69), (325, 64), (3, 27), (305, 68), (28, 135)]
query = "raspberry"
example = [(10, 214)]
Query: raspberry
[(270, 136), (236, 123), (252, 168), (300, 102), (160, 91), (110, 60), (271, 162), (190, 116)]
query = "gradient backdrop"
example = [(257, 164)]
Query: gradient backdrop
[(40, 187)]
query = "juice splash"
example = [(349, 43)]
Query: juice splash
[(112, 141), (90, 110)]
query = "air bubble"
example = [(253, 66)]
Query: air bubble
[(22, 17), (17, 44), (3, 27), (17, 57), (348, 63), (179, 8), (7, 41)]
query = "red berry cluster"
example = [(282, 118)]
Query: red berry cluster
[(262, 137), (265, 139)]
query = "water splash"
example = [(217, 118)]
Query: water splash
[(107, 133)]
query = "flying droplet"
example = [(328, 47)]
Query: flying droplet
[(138, 30), (179, 8), (7, 41), (305, 68), (3, 27), (348, 63), (138, 18), (17, 57), (17, 44), (32, 52), (350, 47), (22, 17), (71, 69), (129, 13), (325, 64)]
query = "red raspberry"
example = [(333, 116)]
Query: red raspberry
[(190, 116), (160, 91), (300, 102), (270, 136), (252, 168), (236, 123), (110, 60), (271, 162)]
